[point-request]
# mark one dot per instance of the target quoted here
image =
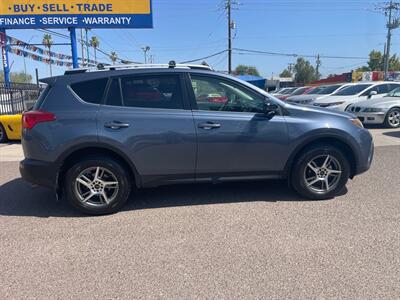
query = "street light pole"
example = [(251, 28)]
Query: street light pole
[(145, 50)]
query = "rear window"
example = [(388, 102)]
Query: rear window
[(150, 91), (42, 96), (90, 91)]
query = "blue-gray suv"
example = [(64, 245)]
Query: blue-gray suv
[(96, 135)]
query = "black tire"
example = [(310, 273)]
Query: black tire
[(388, 123), (3, 134), (300, 169), (113, 167)]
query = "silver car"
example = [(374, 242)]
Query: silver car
[(384, 110)]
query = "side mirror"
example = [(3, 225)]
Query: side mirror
[(270, 109), (372, 93)]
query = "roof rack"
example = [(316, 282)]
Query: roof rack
[(171, 65), (146, 66)]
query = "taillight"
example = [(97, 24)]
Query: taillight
[(31, 118)]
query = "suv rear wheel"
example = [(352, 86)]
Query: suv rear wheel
[(320, 172), (97, 185)]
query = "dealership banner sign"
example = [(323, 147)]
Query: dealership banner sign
[(19, 14)]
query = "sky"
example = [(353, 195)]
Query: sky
[(186, 30)]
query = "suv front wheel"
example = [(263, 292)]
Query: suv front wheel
[(320, 172), (97, 185)]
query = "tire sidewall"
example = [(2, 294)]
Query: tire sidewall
[(387, 123), (298, 181), (120, 173)]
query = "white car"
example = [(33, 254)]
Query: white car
[(343, 98), (385, 110), (320, 93)]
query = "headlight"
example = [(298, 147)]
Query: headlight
[(357, 123), (371, 109), (335, 103)]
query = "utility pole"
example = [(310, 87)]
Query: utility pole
[(318, 64), (389, 9), (231, 25), (229, 9)]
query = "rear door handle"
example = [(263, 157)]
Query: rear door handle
[(209, 125), (116, 125)]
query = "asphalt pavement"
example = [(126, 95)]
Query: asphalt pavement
[(225, 241)]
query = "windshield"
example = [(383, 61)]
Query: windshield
[(288, 91), (329, 89), (394, 93), (299, 91), (314, 90), (352, 90)]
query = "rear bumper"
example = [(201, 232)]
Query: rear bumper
[(39, 172)]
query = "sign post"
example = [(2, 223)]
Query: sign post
[(72, 14), (74, 48), (4, 56)]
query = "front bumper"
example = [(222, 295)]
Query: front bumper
[(39, 172), (366, 153), (371, 118)]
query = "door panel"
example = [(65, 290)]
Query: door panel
[(144, 116), (159, 142), (244, 143)]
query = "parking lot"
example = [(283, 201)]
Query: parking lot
[(237, 240)]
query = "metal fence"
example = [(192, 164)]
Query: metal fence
[(18, 97)]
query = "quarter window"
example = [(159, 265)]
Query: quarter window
[(90, 91), (219, 95)]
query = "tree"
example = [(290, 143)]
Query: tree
[(304, 72), (95, 43), (113, 57), (376, 62), (19, 77), (48, 42), (286, 73), (246, 70)]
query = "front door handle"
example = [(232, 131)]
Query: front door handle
[(209, 125), (116, 125)]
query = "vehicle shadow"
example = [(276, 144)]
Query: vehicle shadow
[(392, 133), (18, 198)]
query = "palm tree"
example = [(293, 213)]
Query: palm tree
[(95, 43), (113, 57), (48, 42)]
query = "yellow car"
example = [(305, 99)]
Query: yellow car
[(10, 127)]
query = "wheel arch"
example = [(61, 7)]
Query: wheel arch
[(77, 153), (333, 140)]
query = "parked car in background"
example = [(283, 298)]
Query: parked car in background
[(10, 127), (322, 92), (285, 92), (385, 110), (343, 98), (95, 136), (296, 92)]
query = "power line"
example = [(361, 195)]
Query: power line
[(203, 58), (296, 54)]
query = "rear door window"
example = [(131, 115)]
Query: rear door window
[(91, 91), (152, 91)]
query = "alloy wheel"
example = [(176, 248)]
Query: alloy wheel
[(96, 186), (322, 174), (394, 118)]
